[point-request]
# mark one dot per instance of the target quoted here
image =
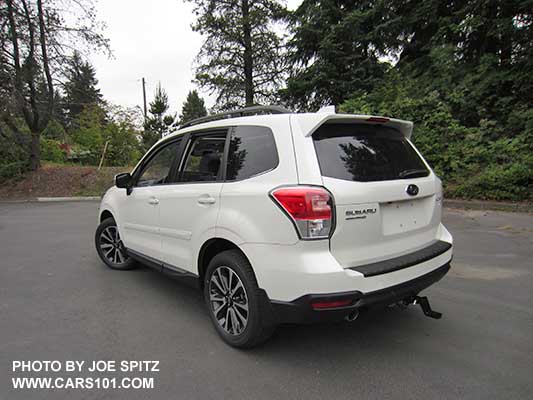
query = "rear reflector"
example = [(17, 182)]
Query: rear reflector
[(308, 207), (331, 304)]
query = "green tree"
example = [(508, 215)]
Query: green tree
[(35, 37), (123, 134), (193, 107), (158, 123), (88, 136), (483, 161), (123, 146), (473, 52), (335, 49), (54, 130), (80, 87), (458, 69), (242, 58), (50, 150), (14, 145)]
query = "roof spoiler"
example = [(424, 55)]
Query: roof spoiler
[(312, 122)]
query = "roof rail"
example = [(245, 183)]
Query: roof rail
[(253, 110)]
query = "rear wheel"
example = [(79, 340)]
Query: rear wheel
[(233, 301), (110, 247)]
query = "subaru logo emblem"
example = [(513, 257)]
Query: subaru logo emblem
[(412, 190)]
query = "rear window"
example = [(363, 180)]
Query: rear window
[(252, 151), (365, 153)]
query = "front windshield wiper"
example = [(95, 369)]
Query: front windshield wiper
[(413, 173)]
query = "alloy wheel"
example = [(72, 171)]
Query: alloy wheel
[(112, 246), (228, 299)]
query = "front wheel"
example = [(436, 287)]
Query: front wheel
[(110, 247), (232, 298)]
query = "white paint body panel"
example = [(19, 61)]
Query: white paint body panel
[(308, 267), (242, 212), (138, 220), (186, 222)]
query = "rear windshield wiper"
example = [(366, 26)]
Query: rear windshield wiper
[(413, 173)]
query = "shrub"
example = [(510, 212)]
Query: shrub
[(50, 151), (497, 182), (487, 160)]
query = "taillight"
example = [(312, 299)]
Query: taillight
[(309, 208)]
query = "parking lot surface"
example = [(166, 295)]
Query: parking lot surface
[(59, 302)]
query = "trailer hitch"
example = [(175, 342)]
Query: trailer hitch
[(423, 302)]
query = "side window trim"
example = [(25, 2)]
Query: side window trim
[(173, 176), (181, 164), (139, 171), (224, 166)]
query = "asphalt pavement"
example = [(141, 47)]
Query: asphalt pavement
[(59, 302)]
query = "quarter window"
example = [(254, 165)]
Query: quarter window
[(252, 150)]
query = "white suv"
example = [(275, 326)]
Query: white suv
[(282, 218)]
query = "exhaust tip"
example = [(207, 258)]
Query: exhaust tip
[(352, 316)]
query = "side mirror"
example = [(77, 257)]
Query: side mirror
[(123, 180)]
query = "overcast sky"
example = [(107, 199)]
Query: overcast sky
[(150, 39)]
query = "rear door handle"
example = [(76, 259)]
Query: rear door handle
[(206, 200), (153, 201)]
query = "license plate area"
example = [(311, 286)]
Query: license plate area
[(406, 215)]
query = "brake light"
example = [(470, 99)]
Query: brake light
[(378, 119), (309, 208)]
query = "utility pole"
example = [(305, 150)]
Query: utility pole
[(144, 98)]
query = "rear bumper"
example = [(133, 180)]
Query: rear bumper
[(288, 272), (300, 310)]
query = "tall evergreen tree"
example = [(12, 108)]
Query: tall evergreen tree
[(473, 53), (158, 123), (193, 107), (335, 50), (242, 56), (463, 77), (80, 88)]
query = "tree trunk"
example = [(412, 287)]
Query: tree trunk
[(46, 65), (506, 29), (40, 120), (35, 151), (248, 58)]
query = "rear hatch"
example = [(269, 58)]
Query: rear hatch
[(387, 199)]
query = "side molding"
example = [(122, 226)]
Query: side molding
[(177, 273)]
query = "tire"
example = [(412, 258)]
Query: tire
[(242, 319), (110, 248)]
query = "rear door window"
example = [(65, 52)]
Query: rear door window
[(203, 158), (366, 153), (252, 151)]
